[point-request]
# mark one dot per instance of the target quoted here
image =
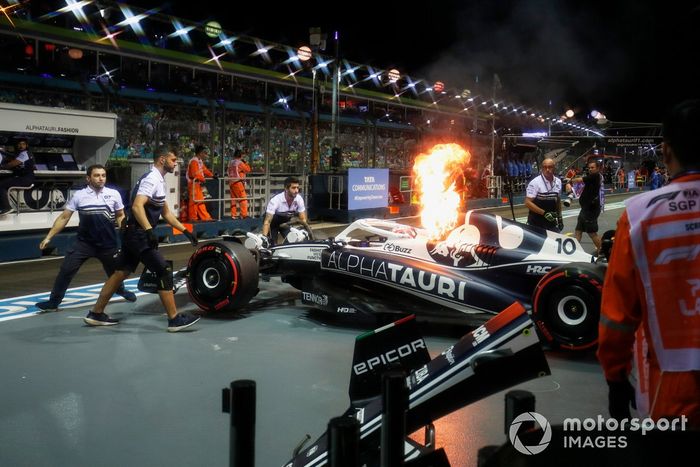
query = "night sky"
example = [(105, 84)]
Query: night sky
[(629, 59)]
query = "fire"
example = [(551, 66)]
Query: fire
[(434, 178)]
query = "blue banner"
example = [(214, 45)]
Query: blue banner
[(368, 188)]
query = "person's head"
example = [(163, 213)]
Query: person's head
[(165, 159), (96, 176), (548, 168), (593, 167), (237, 154), (680, 128), (201, 151), (291, 186), (21, 145)]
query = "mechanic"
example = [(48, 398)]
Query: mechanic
[(280, 210), (20, 166), (98, 208), (542, 199), (196, 171), (650, 311), (140, 245), (237, 169), (591, 202)]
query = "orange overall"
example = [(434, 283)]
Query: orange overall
[(237, 169), (196, 171), (650, 311)]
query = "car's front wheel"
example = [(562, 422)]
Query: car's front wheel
[(566, 305), (222, 277)]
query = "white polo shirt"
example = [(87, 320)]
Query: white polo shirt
[(278, 204), (97, 211)]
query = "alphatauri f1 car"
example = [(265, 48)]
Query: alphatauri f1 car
[(380, 266)]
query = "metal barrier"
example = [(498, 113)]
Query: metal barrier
[(335, 188), (259, 189)]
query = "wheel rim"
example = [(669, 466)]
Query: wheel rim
[(572, 310), (211, 278)]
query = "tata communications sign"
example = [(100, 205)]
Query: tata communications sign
[(368, 188)]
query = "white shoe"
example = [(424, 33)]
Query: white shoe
[(567, 201)]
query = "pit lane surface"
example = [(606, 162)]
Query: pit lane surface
[(134, 394)]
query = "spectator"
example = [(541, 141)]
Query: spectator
[(649, 312)]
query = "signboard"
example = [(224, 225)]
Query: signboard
[(368, 188), (633, 140), (631, 179)]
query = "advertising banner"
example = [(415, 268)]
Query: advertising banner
[(368, 188)]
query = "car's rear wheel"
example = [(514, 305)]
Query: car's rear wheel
[(566, 306), (222, 277)]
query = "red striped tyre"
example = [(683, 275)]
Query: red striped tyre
[(222, 277), (566, 305)]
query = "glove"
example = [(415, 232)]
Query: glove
[(550, 216), (620, 397), (152, 239), (193, 240), (215, 176)]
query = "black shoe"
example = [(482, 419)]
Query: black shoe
[(127, 294), (99, 319), (47, 306), (181, 321)]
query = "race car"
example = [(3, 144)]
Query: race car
[(380, 266)]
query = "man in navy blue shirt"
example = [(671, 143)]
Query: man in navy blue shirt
[(99, 209)]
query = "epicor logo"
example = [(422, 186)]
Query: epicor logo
[(530, 417)]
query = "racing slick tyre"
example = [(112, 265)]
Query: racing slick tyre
[(222, 277), (566, 306)]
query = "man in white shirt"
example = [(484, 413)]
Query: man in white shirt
[(281, 208), (542, 199)]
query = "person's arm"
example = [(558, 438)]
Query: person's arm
[(58, 225), (266, 224), (120, 218), (206, 171), (533, 207), (172, 219), (621, 307), (303, 219), (11, 164), (139, 209)]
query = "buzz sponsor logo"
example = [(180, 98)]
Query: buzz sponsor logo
[(396, 248), (388, 357)]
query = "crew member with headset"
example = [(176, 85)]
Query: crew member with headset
[(21, 172), (280, 210), (542, 199)]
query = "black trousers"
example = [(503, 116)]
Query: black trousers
[(75, 257)]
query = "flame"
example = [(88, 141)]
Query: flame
[(434, 177)]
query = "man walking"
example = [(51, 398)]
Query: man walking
[(98, 207), (140, 245), (591, 203)]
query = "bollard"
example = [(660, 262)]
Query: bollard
[(394, 405), (239, 401), (343, 442), (518, 402)]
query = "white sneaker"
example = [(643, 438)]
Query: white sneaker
[(567, 201)]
